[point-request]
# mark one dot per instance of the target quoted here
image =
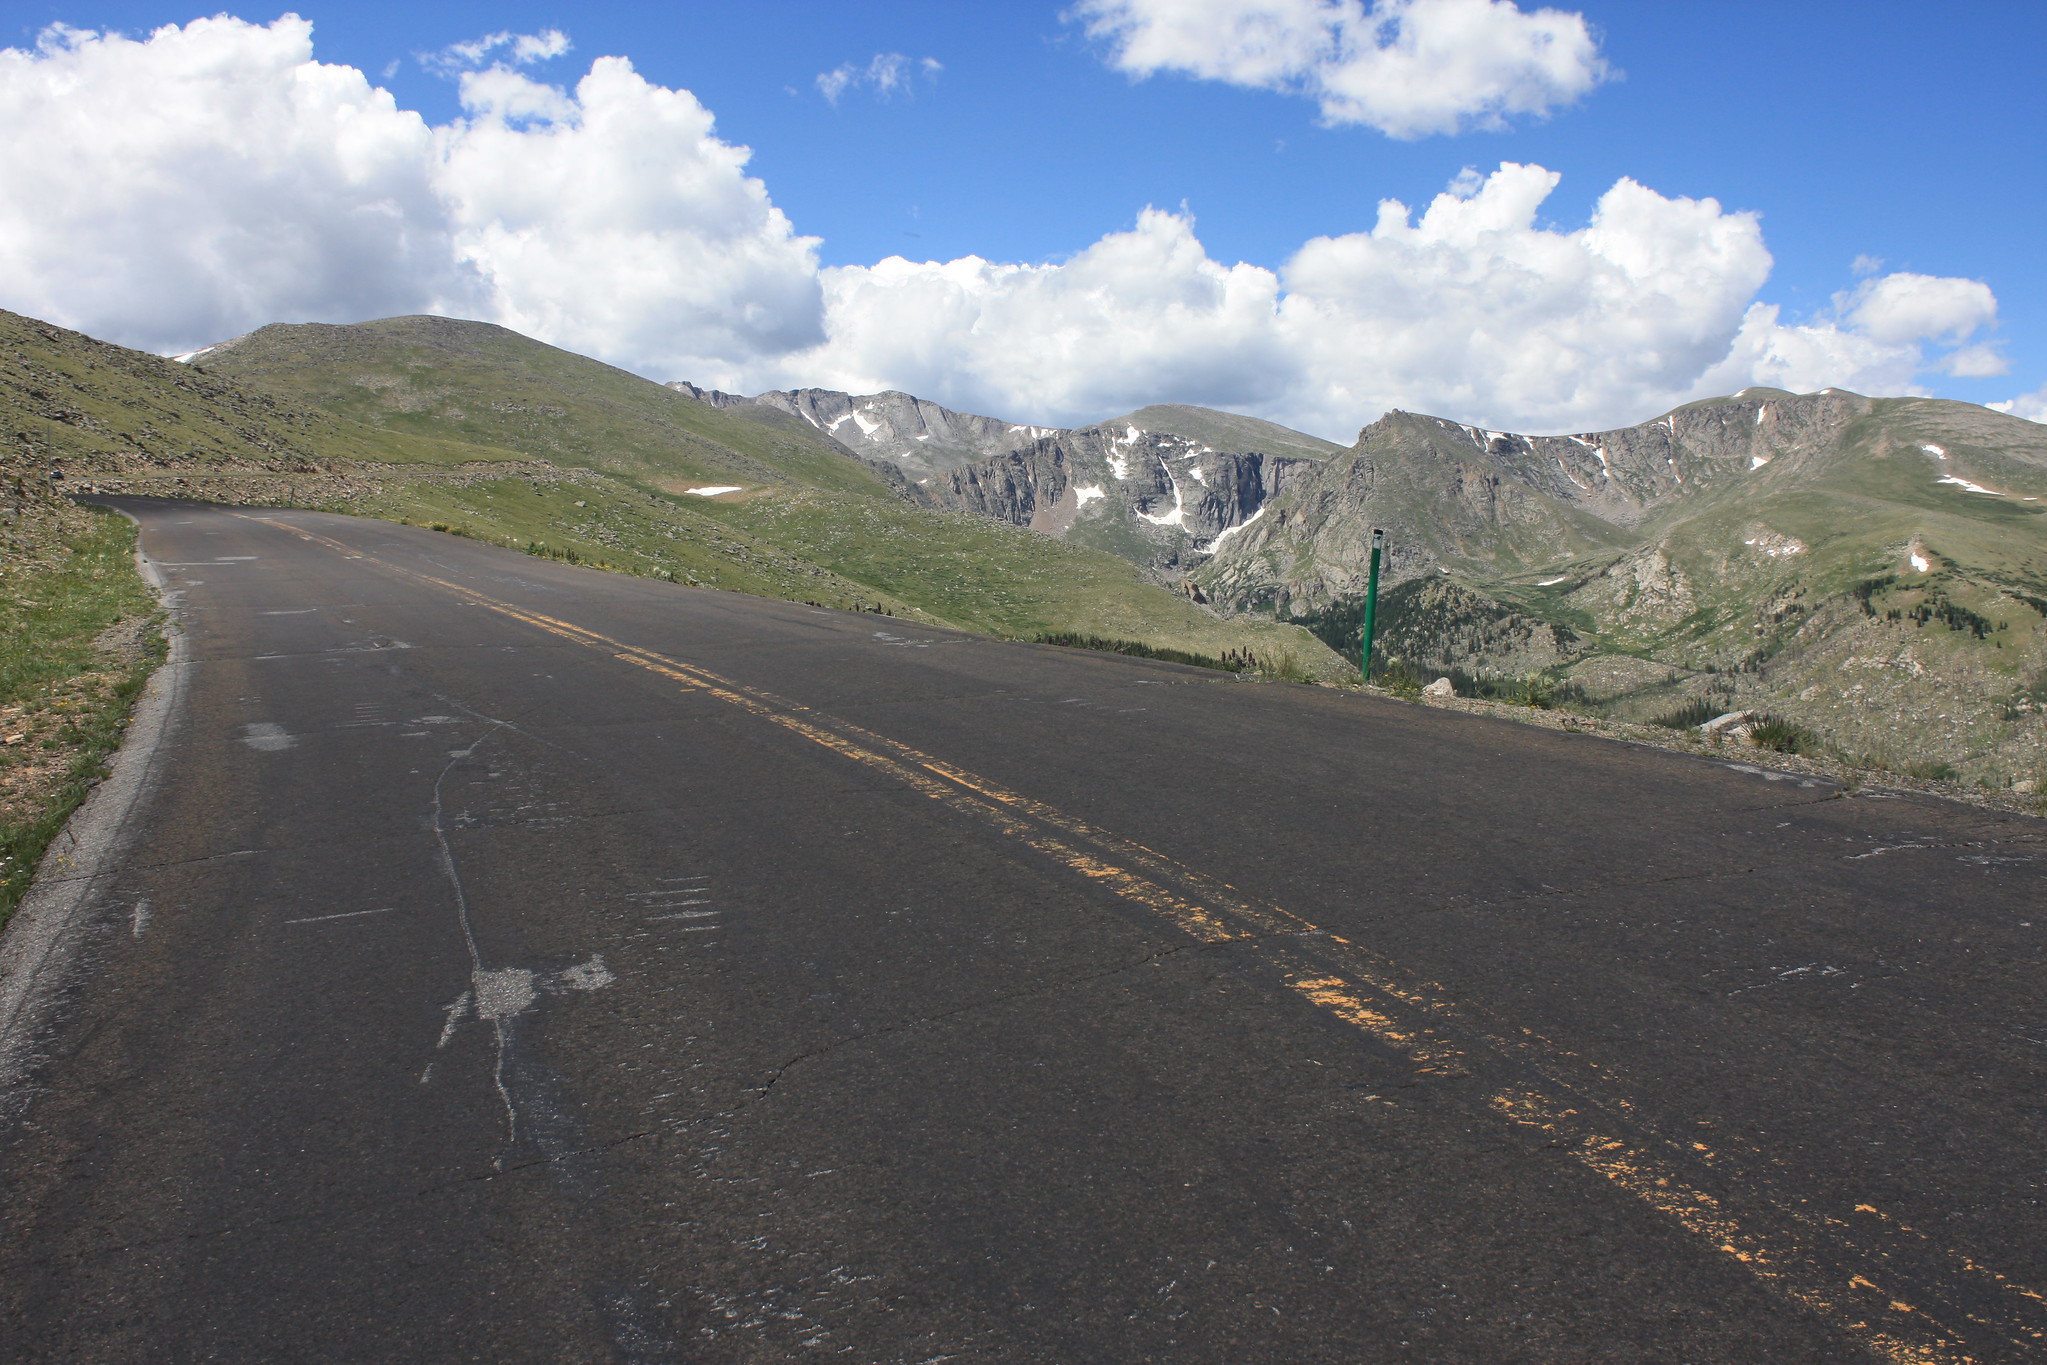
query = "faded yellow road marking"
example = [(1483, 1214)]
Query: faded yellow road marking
[(1340, 998), (1907, 1337), (1775, 1259)]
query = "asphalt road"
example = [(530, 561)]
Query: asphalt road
[(505, 961)]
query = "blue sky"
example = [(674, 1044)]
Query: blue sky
[(1883, 132)]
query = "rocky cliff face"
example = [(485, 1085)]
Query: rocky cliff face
[(1624, 476), (1491, 502), (1163, 500)]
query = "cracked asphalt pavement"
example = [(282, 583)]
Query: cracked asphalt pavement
[(505, 961)]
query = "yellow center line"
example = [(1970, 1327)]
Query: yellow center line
[(1897, 1332), (1192, 918), (1340, 998)]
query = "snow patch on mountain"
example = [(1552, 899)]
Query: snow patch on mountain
[(1227, 532)]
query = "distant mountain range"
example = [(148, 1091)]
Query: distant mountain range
[(922, 438), (1872, 569)]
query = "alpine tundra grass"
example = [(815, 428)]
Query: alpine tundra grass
[(79, 636)]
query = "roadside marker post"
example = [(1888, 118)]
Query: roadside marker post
[(1371, 607)]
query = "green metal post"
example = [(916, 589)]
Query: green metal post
[(1371, 607)]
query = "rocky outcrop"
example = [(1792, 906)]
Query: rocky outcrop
[(1164, 500), (717, 398)]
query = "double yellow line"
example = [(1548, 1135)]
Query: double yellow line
[(1827, 1265)]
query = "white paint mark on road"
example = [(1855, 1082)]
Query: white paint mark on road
[(510, 991), (345, 914), (141, 917), (267, 736), (1767, 775), (457, 1011), (503, 993), (1887, 848), (302, 611), (454, 875), (584, 976)]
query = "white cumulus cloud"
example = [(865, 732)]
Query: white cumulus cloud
[(2031, 406), (1406, 67), (612, 220), (179, 190), (1468, 309), (1471, 308), (1876, 340), (1143, 311), (1906, 307), (176, 190)]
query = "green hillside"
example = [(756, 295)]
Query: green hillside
[(470, 381), (808, 521), (72, 402)]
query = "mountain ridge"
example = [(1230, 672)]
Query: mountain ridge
[(925, 438), (1871, 569)]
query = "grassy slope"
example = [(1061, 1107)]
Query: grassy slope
[(815, 525), (1856, 508), (66, 397), (610, 524), (1005, 580), (470, 381)]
